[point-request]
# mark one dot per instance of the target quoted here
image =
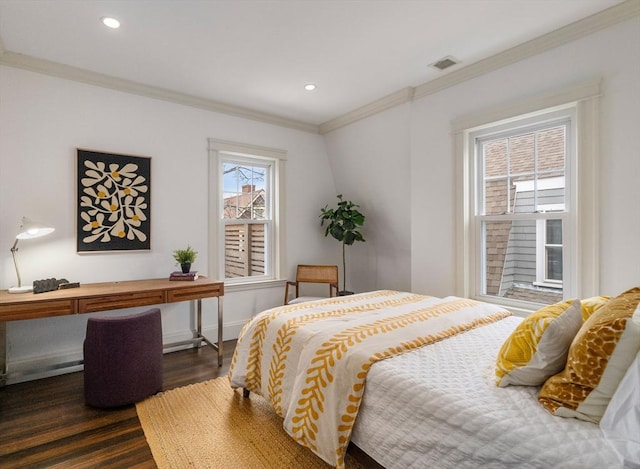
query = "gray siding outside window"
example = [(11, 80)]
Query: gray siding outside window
[(520, 257)]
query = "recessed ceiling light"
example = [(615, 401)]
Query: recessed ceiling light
[(110, 22), (309, 87)]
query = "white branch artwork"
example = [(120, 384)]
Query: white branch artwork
[(113, 202)]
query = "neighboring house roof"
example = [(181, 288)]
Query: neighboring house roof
[(241, 205)]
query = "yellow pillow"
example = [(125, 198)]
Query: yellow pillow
[(538, 347), (590, 305), (598, 358)]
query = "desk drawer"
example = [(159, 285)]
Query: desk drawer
[(195, 292), (44, 309), (120, 300)]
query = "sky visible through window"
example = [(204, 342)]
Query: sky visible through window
[(237, 175), (244, 190)]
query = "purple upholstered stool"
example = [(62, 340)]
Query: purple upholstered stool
[(122, 359)]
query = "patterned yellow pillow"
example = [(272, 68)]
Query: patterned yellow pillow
[(590, 305), (538, 347), (598, 358)]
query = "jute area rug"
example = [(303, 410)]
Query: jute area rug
[(209, 425)]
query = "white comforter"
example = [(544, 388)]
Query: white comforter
[(438, 407), (311, 360)]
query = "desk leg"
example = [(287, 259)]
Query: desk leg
[(199, 321), (220, 339), (202, 338), (3, 353)]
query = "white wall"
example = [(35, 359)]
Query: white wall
[(421, 159), (370, 164), (42, 121)]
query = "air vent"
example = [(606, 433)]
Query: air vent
[(445, 62)]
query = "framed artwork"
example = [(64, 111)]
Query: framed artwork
[(114, 202)]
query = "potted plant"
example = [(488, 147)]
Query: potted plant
[(342, 224), (185, 257)]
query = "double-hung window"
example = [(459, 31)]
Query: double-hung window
[(520, 207), (247, 218), (245, 211), (528, 203)]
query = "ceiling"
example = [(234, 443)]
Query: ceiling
[(259, 54)]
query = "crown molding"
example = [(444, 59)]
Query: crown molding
[(68, 72), (559, 37), (405, 95), (581, 28), (604, 19)]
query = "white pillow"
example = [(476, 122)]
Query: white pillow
[(621, 421)]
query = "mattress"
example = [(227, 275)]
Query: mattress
[(438, 407)]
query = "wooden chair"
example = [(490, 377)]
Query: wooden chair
[(312, 274)]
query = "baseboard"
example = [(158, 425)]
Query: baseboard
[(70, 361)]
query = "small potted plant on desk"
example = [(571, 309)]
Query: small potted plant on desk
[(185, 257)]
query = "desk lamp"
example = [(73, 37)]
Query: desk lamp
[(28, 229)]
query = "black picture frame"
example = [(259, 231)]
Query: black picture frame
[(113, 202)]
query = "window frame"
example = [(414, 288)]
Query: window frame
[(542, 265), (516, 127), (267, 221), (221, 151), (580, 258)]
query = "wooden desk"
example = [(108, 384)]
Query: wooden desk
[(93, 297)]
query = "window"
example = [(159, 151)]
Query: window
[(245, 211), (246, 216), (520, 195), (524, 240), (549, 253)]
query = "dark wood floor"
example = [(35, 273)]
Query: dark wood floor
[(45, 423)]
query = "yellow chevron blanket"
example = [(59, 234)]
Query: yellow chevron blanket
[(310, 360)]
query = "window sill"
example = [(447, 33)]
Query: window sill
[(557, 286), (518, 308)]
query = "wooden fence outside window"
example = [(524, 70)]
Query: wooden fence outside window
[(244, 254)]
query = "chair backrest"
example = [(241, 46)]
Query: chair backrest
[(327, 274), (317, 273)]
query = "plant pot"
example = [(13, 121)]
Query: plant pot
[(185, 268)]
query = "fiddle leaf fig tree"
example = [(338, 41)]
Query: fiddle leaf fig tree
[(343, 222)]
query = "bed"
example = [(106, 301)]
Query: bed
[(409, 379)]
